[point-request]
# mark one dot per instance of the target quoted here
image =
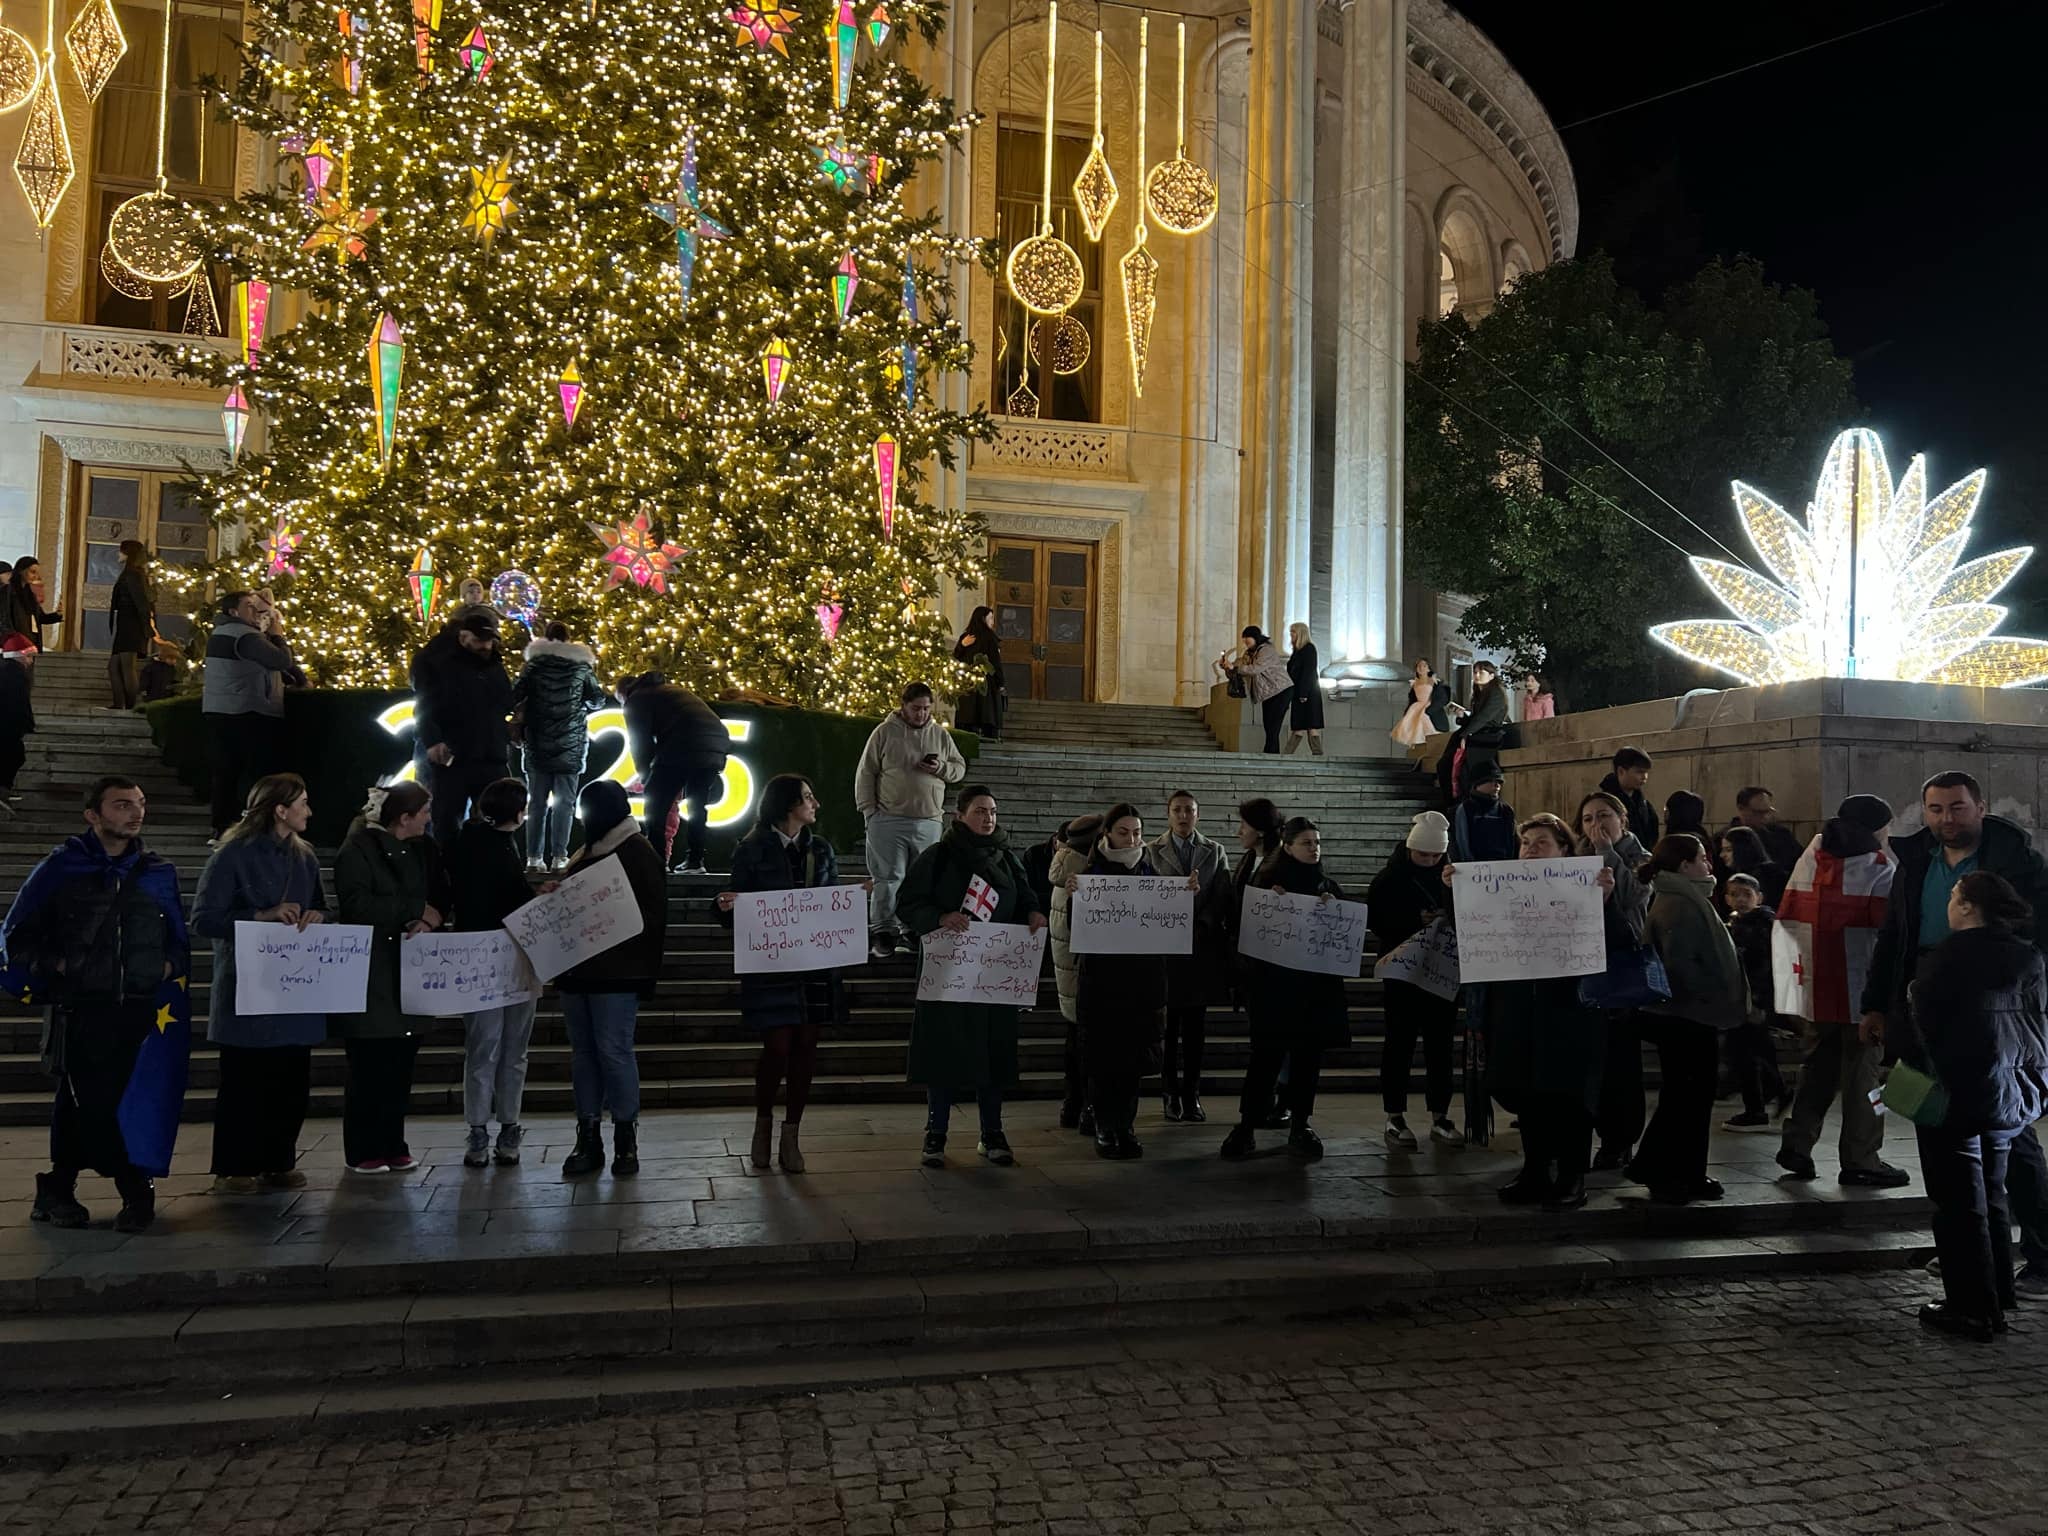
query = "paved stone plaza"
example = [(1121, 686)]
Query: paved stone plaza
[(1798, 1406)]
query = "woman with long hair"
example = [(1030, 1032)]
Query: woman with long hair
[(1415, 724), (387, 877), (1262, 670), (790, 1009), (1480, 732), (981, 709), (1305, 715), (263, 871), (23, 612), (133, 626), (1742, 852)]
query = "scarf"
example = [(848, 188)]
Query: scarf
[(1123, 858)]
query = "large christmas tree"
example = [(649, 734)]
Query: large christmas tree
[(623, 294)]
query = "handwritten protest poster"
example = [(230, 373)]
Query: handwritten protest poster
[(1301, 932), (1520, 919), (804, 930), (990, 963), (1427, 959), (1133, 915), (585, 915), (448, 973), (325, 969)]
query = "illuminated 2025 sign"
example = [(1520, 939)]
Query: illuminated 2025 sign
[(737, 782)]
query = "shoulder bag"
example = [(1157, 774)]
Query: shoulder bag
[(1634, 978)]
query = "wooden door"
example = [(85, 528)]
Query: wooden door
[(1043, 594), (118, 504)]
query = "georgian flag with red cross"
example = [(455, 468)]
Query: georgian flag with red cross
[(981, 900), (1828, 920)]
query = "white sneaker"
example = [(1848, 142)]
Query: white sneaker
[(559, 866), (536, 866), (1399, 1137), (1447, 1133)]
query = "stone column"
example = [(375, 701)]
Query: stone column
[(1276, 489), (1365, 543)]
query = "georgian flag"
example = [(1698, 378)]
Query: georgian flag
[(1828, 920), (981, 900)]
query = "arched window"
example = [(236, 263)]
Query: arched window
[(1446, 283), (1514, 264)]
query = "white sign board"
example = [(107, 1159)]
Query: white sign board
[(989, 963), (585, 915), (1133, 915), (1302, 933), (1427, 959), (440, 974), (1521, 919), (279, 969), (804, 930)]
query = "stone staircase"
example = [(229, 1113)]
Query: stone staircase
[(1110, 727)]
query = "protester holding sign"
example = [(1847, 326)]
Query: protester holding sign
[(1077, 844), (387, 877), (264, 871), (601, 995), (1202, 977), (1405, 898), (790, 1009), (1604, 834), (489, 887), (960, 1049), (1302, 1016), (1258, 840)]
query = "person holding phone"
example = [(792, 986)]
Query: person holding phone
[(900, 788)]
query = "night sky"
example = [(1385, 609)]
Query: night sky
[(1898, 174)]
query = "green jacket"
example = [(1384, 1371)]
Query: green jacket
[(1707, 984), (383, 882), (963, 1045)]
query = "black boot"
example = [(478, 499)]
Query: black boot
[(589, 1154), (138, 1202), (625, 1148), (57, 1201)]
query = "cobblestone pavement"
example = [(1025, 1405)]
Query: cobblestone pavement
[(1812, 1405)]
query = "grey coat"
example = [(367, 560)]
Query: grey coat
[(1707, 984), (245, 876), (1203, 977)]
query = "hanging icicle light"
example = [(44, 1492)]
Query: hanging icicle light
[(1183, 195), (1044, 272), (96, 44), (202, 315), (151, 233), (43, 164), (1095, 192), (1140, 268)]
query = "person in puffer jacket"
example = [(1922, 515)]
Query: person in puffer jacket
[(554, 695), (1081, 834)]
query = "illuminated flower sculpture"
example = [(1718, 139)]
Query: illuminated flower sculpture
[(1868, 587)]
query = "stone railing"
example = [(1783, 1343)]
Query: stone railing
[(125, 357), (1062, 447)]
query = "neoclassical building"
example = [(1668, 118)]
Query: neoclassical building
[(1377, 162)]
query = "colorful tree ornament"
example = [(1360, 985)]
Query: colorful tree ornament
[(252, 314), (348, 69), (878, 25), (690, 223), (387, 362), (426, 21), (842, 35), (490, 200), (885, 482), (320, 163), (570, 384), (202, 315), (278, 546), (633, 553), (342, 227), (766, 25), (877, 169), (837, 164), (425, 582), (845, 282), (476, 53), (830, 615), (776, 367), (517, 596), (234, 421), (913, 315)]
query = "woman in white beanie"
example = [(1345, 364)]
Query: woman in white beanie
[(1405, 898)]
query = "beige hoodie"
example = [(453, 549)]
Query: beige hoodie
[(888, 781)]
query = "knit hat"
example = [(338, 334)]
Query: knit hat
[(1865, 811), (1430, 833), (1485, 771)]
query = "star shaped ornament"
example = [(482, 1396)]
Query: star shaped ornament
[(342, 227), (490, 200), (682, 211), (765, 26), (633, 553)]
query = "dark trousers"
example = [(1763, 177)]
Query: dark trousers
[(2027, 1185), (1972, 1219), (1412, 1012), (124, 679), (1620, 1121), (668, 782), (374, 1103), (1753, 1059), (243, 748), (1114, 1098), (1274, 713), (1077, 1085), (1674, 1150), (13, 753), (1186, 1034), (100, 1047), (453, 787), (1557, 1140), (789, 1052), (1304, 1065), (260, 1109)]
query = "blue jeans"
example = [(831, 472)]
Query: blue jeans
[(939, 1109), (602, 1068), (548, 820)]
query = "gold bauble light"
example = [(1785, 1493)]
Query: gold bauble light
[(1044, 272), (120, 279), (1023, 401), (1183, 195), (151, 235), (43, 165), (19, 68), (1066, 340)]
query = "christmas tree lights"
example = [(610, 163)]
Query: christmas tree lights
[(1868, 586)]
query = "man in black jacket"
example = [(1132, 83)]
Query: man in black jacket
[(679, 746), (461, 697), (1626, 783), (1957, 838), (1755, 809)]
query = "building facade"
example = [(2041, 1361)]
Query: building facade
[(1376, 162)]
